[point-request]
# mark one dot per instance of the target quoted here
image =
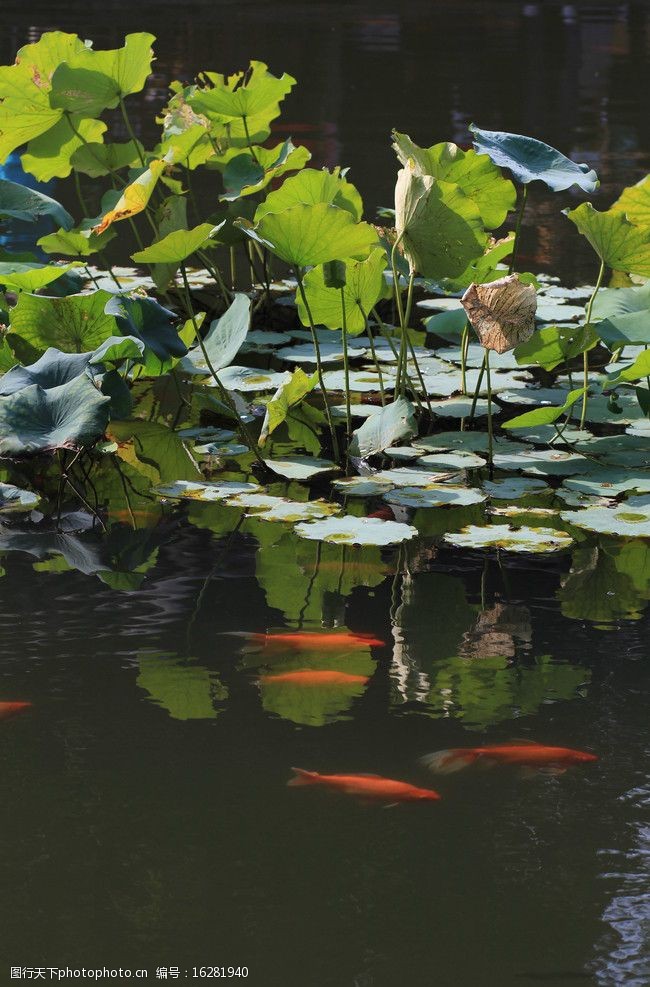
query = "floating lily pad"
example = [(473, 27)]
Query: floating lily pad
[(608, 481), (452, 460), (554, 310), (518, 511), (574, 498), (360, 380), (281, 509), (14, 500), (301, 467), (330, 352), (362, 486), (537, 396), (544, 462), (502, 536), (225, 451), (476, 355), (513, 487), (192, 490), (413, 476), (246, 380), (459, 408), (348, 530), (548, 435), (403, 453), (356, 410), (631, 519), (435, 495), (465, 441)]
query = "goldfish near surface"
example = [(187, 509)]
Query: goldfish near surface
[(549, 760), (309, 677), (368, 787), (10, 709), (316, 640)]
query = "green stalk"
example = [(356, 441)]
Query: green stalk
[(477, 390), (346, 365), (319, 365), (520, 217), (374, 357), (397, 294), (585, 355), (490, 431), (216, 274), (225, 394), (130, 131), (464, 346)]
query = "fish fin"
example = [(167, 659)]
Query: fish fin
[(303, 778), (446, 762)]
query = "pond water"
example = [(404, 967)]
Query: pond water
[(146, 820)]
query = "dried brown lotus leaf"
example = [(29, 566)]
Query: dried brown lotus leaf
[(502, 312)]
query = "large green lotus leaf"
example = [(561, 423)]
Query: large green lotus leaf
[(619, 243), (149, 321), (312, 186), (116, 349), (364, 286), (448, 325), (49, 155), (246, 174), (90, 81), (289, 393), (348, 530), (552, 345), (460, 460), (14, 500), (509, 539), (51, 370), (623, 315), (97, 160), (190, 148), (607, 581), (632, 372), (441, 227), (544, 416), (35, 420), (475, 173), (31, 277), (176, 246), (629, 520), (634, 201), (531, 160), (305, 235), (74, 243), (187, 691), (488, 267), (243, 94), (74, 324), (25, 110), (394, 422), (155, 447), (226, 335), (82, 91), (19, 202)]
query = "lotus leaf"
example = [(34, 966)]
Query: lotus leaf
[(502, 536), (619, 244), (395, 421), (348, 530), (69, 416), (531, 160), (435, 495), (301, 467), (74, 324), (310, 187), (31, 277), (14, 500), (27, 204), (631, 519), (513, 487), (364, 287), (306, 235), (634, 201)]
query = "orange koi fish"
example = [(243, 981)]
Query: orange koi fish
[(317, 640), (549, 760), (384, 514), (314, 677), (371, 787), (10, 709)]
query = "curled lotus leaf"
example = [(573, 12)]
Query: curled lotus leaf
[(51, 370), (69, 416), (27, 204), (508, 539), (502, 312), (531, 160), (620, 244), (395, 421), (309, 187), (435, 495), (349, 530)]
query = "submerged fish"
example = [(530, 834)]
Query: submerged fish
[(309, 677), (369, 787), (384, 514), (550, 760), (317, 640), (10, 709)]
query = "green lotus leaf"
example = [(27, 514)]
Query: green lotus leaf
[(74, 243), (246, 174), (19, 202), (619, 244), (176, 246), (544, 462), (82, 91), (14, 500), (638, 370), (623, 315), (544, 416), (311, 187), (626, 412), (474, 173), (394, 422), (435, 495), (301, 467), (31, 277), (69, 416), (25, 111), (306, 235), (630, 520), (362, 486), (634, 201), (50, 154), (530, 160), (149, 321), (243, 94), (459, 408), (609, 481), (74, 324), (247, 379), (364, 286), (91, 81), (410, 476), (514, 487), (552, 345), (359, 380), (190, 148), (156, 448), (483, 269), (51, 370), (501, 536), (268, 508), (208, 492), (349, 530), (116, 349), (288, 395), (186, 691), (448, 325), (440, 226), (97, 160), (225, 336), (464, 442), (461, 460)]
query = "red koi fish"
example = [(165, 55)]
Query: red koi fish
[(370, 787), (10, 709), (316, 640), (549, 760), (384, 514), (310, 677)]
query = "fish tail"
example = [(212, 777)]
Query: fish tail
[(303, 778), (446, 762)]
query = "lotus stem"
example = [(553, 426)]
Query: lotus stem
[(130, 131), (490, 431), (464, 346), (225, 394), (374, 357), (319, 365), (477, 389), (216, 274), (520, 216), (346, 365), (585, 355)]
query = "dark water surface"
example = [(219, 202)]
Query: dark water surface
[(145, 820)]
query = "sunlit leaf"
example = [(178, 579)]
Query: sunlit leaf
[(305, 235), (364, 287), (176, 246), (394, 422), (508, 539), (310, 187), (620, 244), (544, 416), (634, 201), (226, 335), (134, 198), (349, 530), (31, 277), (96, 160), (289, 393), (246, 175), (74, 324)]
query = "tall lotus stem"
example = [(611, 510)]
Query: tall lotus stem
[(319, 365), (585, 355), (489, 400), (520, 216), (346, 365)]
